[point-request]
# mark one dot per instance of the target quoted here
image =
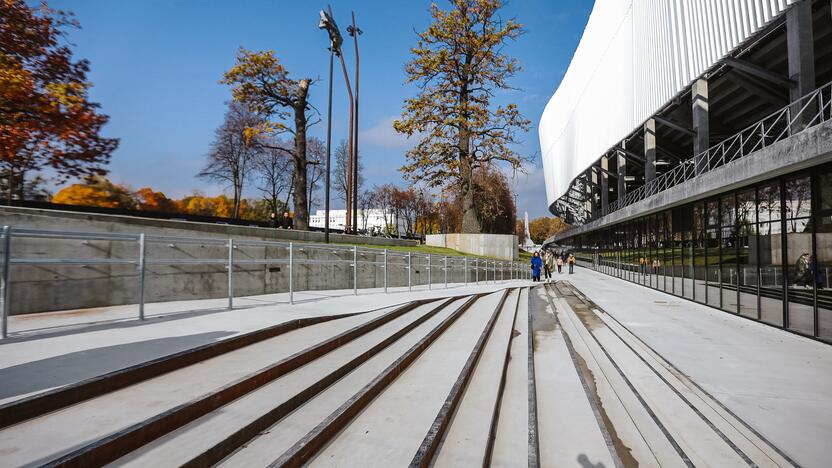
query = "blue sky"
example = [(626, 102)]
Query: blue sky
[(156, 66)]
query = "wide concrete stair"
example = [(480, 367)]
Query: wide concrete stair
[(533, 377)]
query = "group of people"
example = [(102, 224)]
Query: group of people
[(548, 261), (654, 265), (285, 222)]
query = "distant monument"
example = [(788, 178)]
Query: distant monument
[(527, 242)]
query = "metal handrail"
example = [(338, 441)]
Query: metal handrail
[(797, 116), (360, 256)]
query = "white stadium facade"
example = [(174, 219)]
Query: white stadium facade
[(688, 146)]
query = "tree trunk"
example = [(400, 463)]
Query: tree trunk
[(301, 220), (470, 220)]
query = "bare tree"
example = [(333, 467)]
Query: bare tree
[(274, 170), (230, 158), (341, 172), (365, 204), (315, 155)]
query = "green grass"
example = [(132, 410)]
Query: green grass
[(429, 249)]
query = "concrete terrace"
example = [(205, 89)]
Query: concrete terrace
[(585, 371)]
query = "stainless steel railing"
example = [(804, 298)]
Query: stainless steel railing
[(351, 256), (806, 112)]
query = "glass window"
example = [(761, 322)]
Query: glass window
[(769, 250), (798, 197), (822, 270), (711, 262), (728, 254), (768, 206), (699, 252), (800, 281), (747, 253), (825, 186)]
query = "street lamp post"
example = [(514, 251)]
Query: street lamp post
[(354, 31), (335, 41)]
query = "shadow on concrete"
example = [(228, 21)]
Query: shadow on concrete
[(74, 367), (584, 461)]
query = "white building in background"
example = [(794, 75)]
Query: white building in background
[(376, 220)]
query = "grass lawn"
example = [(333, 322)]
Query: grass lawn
[(440, 251)]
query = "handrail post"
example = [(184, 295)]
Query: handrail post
[(6, 293), (291, 274), (385, 271), (409, 269), (355, 270), (477, 269), (446, 270), (465, 269), (430, 285), (230, 273), (141, 275)]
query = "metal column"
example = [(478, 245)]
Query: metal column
[(445, 259), (230, 267), (355, 270), (385, 271), (465, 268), (291, 274), (409, 282), (141, 275), (6, 292), (429, 275)]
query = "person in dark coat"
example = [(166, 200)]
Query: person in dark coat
[(286, 222), (537, 264), (273, 220)]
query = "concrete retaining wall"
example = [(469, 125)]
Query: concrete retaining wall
[(502, 246), (40, 288)]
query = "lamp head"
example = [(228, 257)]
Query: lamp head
[(328, 23)]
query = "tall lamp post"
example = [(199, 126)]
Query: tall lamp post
[(335, 41), (354, 31)]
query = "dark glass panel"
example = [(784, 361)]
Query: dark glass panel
[(746, 254), (800, 281)]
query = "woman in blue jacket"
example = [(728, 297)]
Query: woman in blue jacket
[(537, 264)]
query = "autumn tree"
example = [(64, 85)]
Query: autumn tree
[(230, 159), (459, 65), (96, 191), (340, 177), (262, 83), (148, 199), (46, 117), (544, 227), (520, 230)]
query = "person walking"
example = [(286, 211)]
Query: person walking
[(548, 265), (802, 267), (273, 220), (537, 264), (571, 261), (560, 265)]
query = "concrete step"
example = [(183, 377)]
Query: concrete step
[(468, 440), (207, 440), (563, 396), (391, 430), (113, 424), (511, 443), (681, 415), (39, 404), (636, 436), (745, 442)]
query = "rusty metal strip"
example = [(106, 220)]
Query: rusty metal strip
[(306, 448), (534, 432), (118, 444), (430, 444)]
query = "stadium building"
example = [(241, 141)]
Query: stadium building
[(689, 147)]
